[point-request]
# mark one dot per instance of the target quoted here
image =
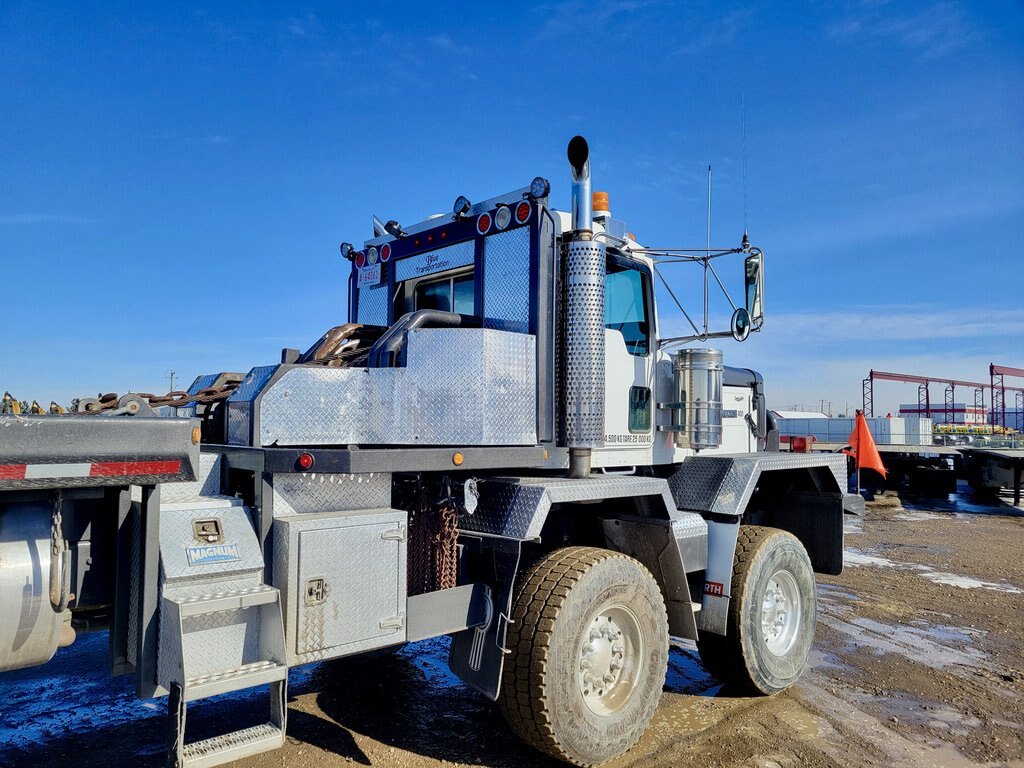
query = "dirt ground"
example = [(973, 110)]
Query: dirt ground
[(919, 661)]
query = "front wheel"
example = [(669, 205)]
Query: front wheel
[(770, 626), (589, 649)]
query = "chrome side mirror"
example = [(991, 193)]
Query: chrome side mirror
[(754, 281)]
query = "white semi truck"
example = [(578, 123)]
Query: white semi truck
[(500, 445)]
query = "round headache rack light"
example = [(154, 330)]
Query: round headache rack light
[(483, 223), (371, 256), (305, 461), (523, 212), (360, 259), (385, 252), (502, 217), (539, 187)]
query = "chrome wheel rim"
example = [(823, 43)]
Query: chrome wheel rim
[(610, 654), (780, 613)]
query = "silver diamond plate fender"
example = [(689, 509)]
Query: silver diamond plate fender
[(723, 484), (462, 386), (516, 508)]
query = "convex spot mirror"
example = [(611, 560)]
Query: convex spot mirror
[(740, 325), (754, 280)]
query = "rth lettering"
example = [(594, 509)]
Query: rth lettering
[(714, 588)]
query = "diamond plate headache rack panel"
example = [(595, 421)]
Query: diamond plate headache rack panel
[(462, 387)]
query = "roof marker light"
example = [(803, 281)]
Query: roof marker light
[(360, 259), (385, 252), (523, 211), (483, 223), (502, 217), (461, 207)]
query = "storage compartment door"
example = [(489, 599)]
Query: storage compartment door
[(351, 589)]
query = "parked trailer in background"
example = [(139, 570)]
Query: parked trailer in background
[(499, 446)]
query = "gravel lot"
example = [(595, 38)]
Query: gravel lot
[(919, 661)]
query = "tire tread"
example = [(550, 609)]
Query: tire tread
[(545, 589)]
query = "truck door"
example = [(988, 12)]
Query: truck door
[(629, 372)]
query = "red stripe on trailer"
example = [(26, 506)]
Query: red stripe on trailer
[(124, 468), (12, 471)]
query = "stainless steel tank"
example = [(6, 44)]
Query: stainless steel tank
[(697, 410)]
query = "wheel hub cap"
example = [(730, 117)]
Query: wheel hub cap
[(780, 613), (610, 649)]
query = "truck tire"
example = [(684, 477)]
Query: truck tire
[(589, 650), (770, 625)]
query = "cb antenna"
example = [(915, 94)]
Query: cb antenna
[(743, 124), (709, 210)]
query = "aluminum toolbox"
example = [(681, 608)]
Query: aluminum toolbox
[(342, 575)]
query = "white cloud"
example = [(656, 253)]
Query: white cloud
[(932, 33), (719, 33)]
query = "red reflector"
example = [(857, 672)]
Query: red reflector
[(523, 212), (360, 259), (483, 223), (385, 252), (444, 234), (125, 468), (12, 471), (305, 460)]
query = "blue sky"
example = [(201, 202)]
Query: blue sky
[(175, 179)]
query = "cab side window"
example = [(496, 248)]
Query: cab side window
[(625, 306)]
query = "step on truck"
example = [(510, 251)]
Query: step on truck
[(500, 445)]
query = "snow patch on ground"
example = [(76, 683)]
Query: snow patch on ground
[(967, 582), (862, 559)]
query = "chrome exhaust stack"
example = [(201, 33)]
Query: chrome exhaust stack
[(582, 198), (581, 358)]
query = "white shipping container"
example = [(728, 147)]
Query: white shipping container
[(885, 431)]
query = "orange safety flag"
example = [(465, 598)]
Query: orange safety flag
[(862, 447)]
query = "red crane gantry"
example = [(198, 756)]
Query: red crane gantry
[(998, 395), (996, 374)]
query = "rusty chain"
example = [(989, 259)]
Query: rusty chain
[(176, 399), (433, 538)]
